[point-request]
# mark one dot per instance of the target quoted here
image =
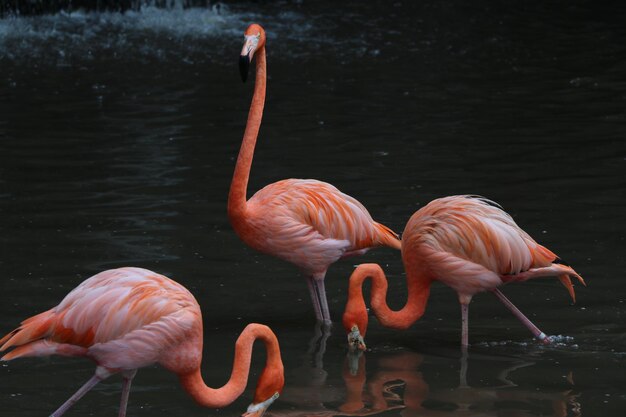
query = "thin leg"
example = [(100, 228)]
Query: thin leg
[(464, 330), (318, 297), (315, 299), (321, 289), (521, 317), (127, 378), (463, 373), (101, 374)]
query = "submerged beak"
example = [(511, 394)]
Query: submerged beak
[(354, 358), (247, 52), (355, 340), (257, 410)]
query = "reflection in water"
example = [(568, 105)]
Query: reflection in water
[(117, 141), (312, 369), (400, 385), (396, 384)]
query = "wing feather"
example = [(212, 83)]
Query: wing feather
[(477, 230), (321, 209), (125, 309)]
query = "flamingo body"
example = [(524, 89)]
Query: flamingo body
[(472, 245), (123, 318), (467, 242), (311, 224), (127, 318), (306, 222)]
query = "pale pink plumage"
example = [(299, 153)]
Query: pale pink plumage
[(467, 242), (311, 224), (128, 318), (306, 222), (122, 318), (472, 245)]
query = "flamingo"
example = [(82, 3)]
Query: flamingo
[(306, 222), (470, 244), (128, 318)]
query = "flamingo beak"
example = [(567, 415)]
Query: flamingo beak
[(247, 52), (244, 67), (258, 409), (355, 340), (353, 361)]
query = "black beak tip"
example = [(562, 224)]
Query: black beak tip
[(244, 67)]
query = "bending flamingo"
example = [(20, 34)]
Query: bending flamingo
[(306, 222), (467, 242), (128, 318)]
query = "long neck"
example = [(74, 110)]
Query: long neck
[(221, 397), (239, 184), (418, 291)]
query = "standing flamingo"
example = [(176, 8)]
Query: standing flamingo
[(128, 318), (467, 242), (306, 222)]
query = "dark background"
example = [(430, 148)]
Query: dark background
[(118, 135)]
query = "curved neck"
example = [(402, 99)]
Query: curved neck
[(221, 397), (418, 287), (239, 184)]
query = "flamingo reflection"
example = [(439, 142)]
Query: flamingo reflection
[(398, 385)]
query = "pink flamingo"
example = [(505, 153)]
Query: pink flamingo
[(467, 242), (128, 318), (306, 222)]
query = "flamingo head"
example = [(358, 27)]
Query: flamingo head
[(355, 340), (268, 389), (355, 325), (355, 322), (254, 39)]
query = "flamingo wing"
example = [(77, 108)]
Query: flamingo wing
[(313, 224), (325, 210), (474, 236), (123, 318), (478, 230)]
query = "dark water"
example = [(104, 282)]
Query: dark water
[(118, 135)]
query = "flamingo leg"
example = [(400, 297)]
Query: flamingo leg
[(521, 317), (318, 297), (463, 372), (464, 327), (315, 298), (101, 373), (127, 378)]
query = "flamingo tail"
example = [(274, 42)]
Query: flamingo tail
[(32, 329), (388, 237), (563, 272), (567, 281), (36, 348)]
